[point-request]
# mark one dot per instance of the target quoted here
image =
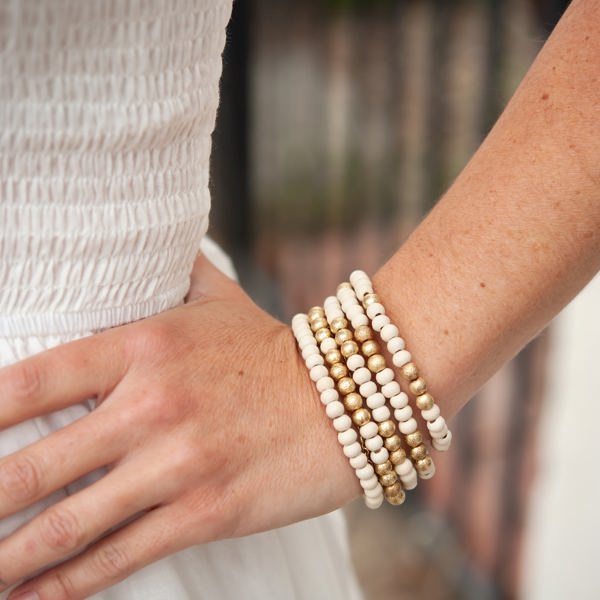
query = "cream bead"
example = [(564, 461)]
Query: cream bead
[(401, 358), (442, 444), (385, 376), (306, 339), (408, 427), (381, 413), (379, 322), (388, 332), (325, 383), (314, 360), (438, 435), (330, 395), (359, 461), (318, 372), (354, 362), (328, 344), (353, 310), (374, 503), (359, 319), (410, 481), (361, 375), (374, 444), (358, 275), (403, 414), (436, 426), (399, 400), (375, 492), (368, 389), (369, 484), (362, 289), (432, 414), (309, 350), (299, 319), (376, 400), (369, 430), (380, 456), (365, 472), (342, 423), (345, 438), (395, 345), (375, 310), (390, 389), (352, 450), (335, 409), (404, 468)]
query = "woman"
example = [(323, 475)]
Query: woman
[(206, 419)]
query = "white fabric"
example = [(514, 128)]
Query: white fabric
[(106, 112)]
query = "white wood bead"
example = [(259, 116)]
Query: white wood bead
[(359, 320), (354, 311), (361, 375), (376, 400), (325, 383), (380, 456), (318, 372), (404, 468), (354, 362), (437, 425), (358, 275), (443, 444), (391, 389), (408, 427), (369, 430), (335, 409), (374, 310), (306, 339), (374, 503), (401, 357), (432, 414), (380, 322), (369, 484), (366, 472), (403, 414), (352, 450), (330, 301), (342, 423), (385, 376), (344, 292), (349, 304), (395, 345), (388, 332), (345, 438), (368, 389), (375, 492), (299, 319), (381, 413), (314, 360), (410, 481), (374, 444), (438, 435), (359, 461), (399, 400), (362, 290), (308, 350), (329, 395), (328, 344)]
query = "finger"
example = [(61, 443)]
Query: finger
[(70, 525), (59, 377)]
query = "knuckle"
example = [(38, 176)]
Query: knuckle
[(26, 380), (21, 478), (112, 561), (61, 587), (152, 336), (61, 530)]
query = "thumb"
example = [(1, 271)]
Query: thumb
[(207, 280)]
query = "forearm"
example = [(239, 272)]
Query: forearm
[(518, 234)]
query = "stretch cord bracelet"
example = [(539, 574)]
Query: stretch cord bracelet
[(342, 423), (441, 436), (373, 428), (390, 389)]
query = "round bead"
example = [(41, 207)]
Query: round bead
[(381, 413), (362, 289), (369, 299), (390, 389), (380, 456), (399, 400), (427, 473), (338, 371), (361, 375), (388, 479), (353, 310), (375, 492), (369, 430), (374, 310), (403, 414), (352, 450), (437, 425), (404, 468), (376, 400), (343, 335), (318, 323), (345, 438), (363, 333), (325, 383), (360, 320), (376, 363), (387, 428), (393, 443), (414, 439), (353, 401), (383, 468), (388, 332), (442, 444), (342, 423), (361, 417), (379, 322), (369, 347), (397, 456), (318, 372), (338, 323), (385, 376), (410, 481), (409, 426), (425, 401), (397, 500), (357, 276), (329, 395), (418, 452), (432, 414), (313, 361), (345, 285), (401, 358), (409, 371), (349, 348), (309, 350), (322, 334), (327, 344), (417, 387), (373, 503), (333, 356), (369, 484), (335, 409), (366, 472), (359, 461), (424, 464), (315, 312), (299, 319), (374, 444), (346, 385), (368, 389), (395, 345), (306, 339), (393, 490), (436, 435), (354, 362)]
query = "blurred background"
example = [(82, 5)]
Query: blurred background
[(341, 124)]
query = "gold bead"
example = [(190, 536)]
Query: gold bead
[(418, 452), (393, 490), (349, 348), (397, 456), (384, 468), (319, 323), (338, 371), (424, 464), (418, 386), (338, 323), (353, 401), (321, 334), (370, 299), (343, 285), (388, 479), (387, 428), (343, 335), (363, 333), (369, 347), (409, 371), (376, 363), (315, 312), (393, 443), (361, 417), (333, 356), (425, 401), (414, 439), (398, 499), (346, 385)]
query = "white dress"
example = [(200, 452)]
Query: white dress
[(106, 113)]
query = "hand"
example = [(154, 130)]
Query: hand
[(207, 421)]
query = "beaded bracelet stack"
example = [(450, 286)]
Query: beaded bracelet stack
[(341, 344)]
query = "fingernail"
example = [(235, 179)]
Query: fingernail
[(26, 596)]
